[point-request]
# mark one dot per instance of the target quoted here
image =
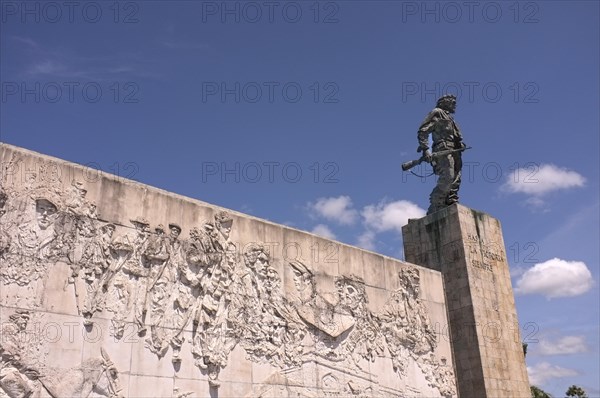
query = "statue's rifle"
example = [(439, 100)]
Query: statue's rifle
[(409, 165)]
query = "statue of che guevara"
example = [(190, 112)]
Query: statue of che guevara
[(446, 154)]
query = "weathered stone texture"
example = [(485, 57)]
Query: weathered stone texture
[(112, 288), (468, 248)]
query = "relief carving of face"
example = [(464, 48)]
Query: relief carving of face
[(297, 279), (109, 231), (251, 257), (303, 282), (22, 323), (20, 320), (262, 262), (45, 213), (175, 232), (349, 295), (142, 229), (225, 228), (417, 286)]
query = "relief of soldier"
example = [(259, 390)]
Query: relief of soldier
[(202, 289), (24, 375)]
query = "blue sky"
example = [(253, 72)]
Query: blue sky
[(302, 112)]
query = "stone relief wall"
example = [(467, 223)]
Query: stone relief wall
[(219, 312)]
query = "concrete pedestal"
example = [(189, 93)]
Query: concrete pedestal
[(467, 247)]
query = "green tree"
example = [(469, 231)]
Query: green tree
[(537, 392), (576, 391)]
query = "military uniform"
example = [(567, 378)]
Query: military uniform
[(445, 136)]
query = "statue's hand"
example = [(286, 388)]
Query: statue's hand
[(427, 156)]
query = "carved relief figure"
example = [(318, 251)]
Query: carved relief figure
[(96, 261), (267, 325), (365, 341), (115, 287), (23, 375), (214, 339), (17, 378), (77, 202), (191, 262), (245, 308), (157, 257), (167, 283), (303, 282), (4, 237), (170, 258), (313, 308), (34, 243), (404, 322), (135, 272)]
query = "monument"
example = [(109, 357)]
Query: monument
[(467, 247), (447, 146), (111, 288)]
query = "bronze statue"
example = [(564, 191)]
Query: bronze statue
[(447, 148)]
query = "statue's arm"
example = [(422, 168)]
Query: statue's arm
[(426, 127)]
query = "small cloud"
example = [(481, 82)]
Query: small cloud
[(182, 45), (387, 216), (544, 371), (367, 240), (556, 278), (324, 231), (47, 67), (25, 40), (539, 180), (334, 209), (121, 69), (563, 346), (40, 60), (537, 204), (516, 271)]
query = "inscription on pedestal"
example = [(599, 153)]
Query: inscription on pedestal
[(468, 248)]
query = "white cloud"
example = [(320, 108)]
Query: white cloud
[(538, 180), (335, 209), (367, 240), (47, 67), (183, 45), (516, 271), (387, 216), (543, 371), (562, 346), (26, 40), (556, 278), (537, 204), (324, 231)]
